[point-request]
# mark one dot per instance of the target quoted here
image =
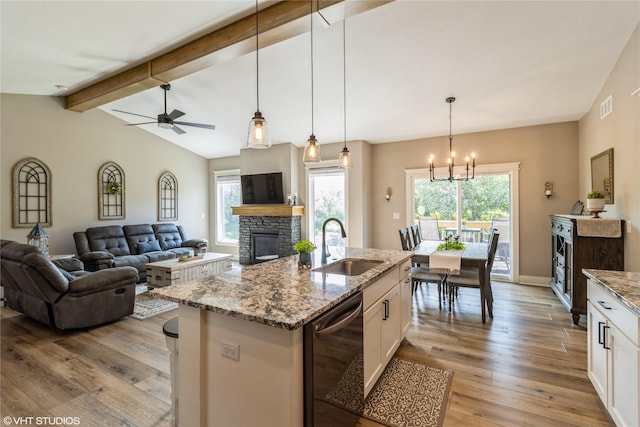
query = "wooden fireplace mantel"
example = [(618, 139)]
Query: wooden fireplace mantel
[(268, 210)]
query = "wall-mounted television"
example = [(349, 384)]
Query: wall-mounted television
[(262, 189)]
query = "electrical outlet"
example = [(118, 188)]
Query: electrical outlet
[(232, 351), (628, 223), (396, 215)]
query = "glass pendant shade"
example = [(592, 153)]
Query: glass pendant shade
[(258, 136), (344, 160), (311, 150)]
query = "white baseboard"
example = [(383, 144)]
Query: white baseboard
[(534, 280)]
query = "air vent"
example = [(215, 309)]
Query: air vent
[(606, 107)]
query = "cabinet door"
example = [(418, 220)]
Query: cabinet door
[(597, 354), (405, 309), (372, 345), (390, 323), (623, 380)]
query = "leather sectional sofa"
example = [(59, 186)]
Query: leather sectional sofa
[(134, 245)]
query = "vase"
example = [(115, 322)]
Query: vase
[(305, 257), (595, 204)]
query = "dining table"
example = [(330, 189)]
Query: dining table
[(473, 255)]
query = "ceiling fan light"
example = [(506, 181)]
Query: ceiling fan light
[(165, 125), (258, 136), (311, 150)]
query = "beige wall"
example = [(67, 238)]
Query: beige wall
[(545, 153), (619, 130), (74, 146)]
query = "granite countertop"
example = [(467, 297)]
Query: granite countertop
[(623, 285), (277, 293)]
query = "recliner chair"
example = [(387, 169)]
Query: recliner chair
[(36, 287)]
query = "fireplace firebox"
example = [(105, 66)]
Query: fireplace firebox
[(265, 246)]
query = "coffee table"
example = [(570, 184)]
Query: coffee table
[(173, 271)]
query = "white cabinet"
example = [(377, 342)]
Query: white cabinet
[(386, 313), (614, 355)]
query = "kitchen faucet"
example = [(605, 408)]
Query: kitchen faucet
[(325, 250)]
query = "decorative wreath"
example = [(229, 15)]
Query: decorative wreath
[(114, 187)]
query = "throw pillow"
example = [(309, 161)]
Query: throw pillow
[(149, 246), (70, 277)]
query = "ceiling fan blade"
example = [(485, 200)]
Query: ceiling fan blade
[(197, 125), (144, 123), (175, 114), (177, 130), (140, 115)]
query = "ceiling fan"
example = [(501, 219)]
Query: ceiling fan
[(168, 121)]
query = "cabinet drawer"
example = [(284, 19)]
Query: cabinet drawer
[(377, 289), (623, 318), (562, 228), (404, 270)]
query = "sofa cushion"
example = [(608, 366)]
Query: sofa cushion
[(168, 236), (109, 238), (137, 261), (139, 233), (150, 246), (160, 255)]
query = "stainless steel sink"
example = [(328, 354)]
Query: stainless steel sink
[(349, 266)]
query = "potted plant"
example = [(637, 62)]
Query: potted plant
[(304, 248), (595, 200)]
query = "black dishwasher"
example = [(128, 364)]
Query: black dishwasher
[(333, 366)]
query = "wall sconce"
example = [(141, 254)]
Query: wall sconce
[(387, 195), (548, 189)]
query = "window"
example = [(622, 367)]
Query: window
[(167, 197), (470, 209), (227, 196), (327, 199)]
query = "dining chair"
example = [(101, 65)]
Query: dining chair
[(470, 277), (503, 226), (416, 234), (429, 228), (421, 273)]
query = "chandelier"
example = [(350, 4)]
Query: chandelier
[(451, 159)]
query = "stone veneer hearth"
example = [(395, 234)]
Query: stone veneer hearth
[(289, 230)]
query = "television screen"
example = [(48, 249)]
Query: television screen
[(262, 189)]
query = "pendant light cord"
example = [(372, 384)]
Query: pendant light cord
[(311, 16), (344, 76), (257, 66)]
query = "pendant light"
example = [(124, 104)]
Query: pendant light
[(344, 160), (259, 135), (452, 154), (312, 149)]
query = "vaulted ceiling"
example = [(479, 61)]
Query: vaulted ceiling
[(508, 63)]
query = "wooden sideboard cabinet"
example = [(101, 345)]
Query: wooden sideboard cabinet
[(570, 253)]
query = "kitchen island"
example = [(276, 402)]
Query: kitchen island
[(241, 334), (613, 323)]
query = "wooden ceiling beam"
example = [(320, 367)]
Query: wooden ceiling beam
[(277, 23)]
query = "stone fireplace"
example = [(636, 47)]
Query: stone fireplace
[(268, 231)]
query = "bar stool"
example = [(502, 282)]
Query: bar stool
[(170, 330)]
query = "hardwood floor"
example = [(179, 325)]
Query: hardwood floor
[(526, 367)]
